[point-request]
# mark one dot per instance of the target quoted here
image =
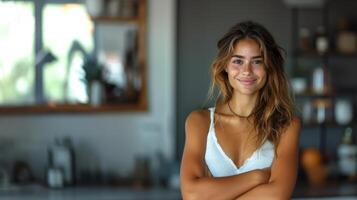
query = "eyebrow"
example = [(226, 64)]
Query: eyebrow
[(254, 57)]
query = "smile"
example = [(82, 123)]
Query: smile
[(247, 81)]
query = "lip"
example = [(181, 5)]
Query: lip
[(247, 82)]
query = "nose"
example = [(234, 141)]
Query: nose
[(247, 68)]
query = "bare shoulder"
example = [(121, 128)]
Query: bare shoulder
[(296, 122), (198, 116), (196, 131), (294, 126), (292, 132), (198, 121)]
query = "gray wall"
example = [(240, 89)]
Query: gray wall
[(108, 142), (200, 24)]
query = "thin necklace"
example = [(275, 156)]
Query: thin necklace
[(240, 116), (244, 144)]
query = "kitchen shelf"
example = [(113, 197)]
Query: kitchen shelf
[(327, 124), (328, 55), (67, 108), (331, 95), (116, 19), (305, 61)]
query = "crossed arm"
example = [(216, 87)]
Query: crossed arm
[(277, 183)]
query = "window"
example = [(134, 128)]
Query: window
[(55, 57), (17, 53), (67, 36)]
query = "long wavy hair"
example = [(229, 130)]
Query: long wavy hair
[(274, 108)]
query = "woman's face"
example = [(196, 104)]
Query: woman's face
[(246, 69)]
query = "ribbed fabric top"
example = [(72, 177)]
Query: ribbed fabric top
[(220, 165)]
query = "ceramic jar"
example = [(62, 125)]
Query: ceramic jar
[(343, 111), (94, 7)]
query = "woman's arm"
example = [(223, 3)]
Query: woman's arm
[(195, 184), (283, 171)]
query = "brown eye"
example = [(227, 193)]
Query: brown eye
[(238, 62), (257, 62)]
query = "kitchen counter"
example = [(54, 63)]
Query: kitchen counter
[(331, 189), (36, 192)]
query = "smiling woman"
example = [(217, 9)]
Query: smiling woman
[(246, 147), (246, 59)]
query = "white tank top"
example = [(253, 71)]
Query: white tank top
[(220, 165)]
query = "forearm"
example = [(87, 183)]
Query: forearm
[(225, 188), (268, 191), (283, 171)]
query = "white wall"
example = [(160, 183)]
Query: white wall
[(108, 141)]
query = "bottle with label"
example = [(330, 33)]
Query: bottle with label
[(347, 155), (61, 156), (321, 80)]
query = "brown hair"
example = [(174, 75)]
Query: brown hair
[(274, 108)]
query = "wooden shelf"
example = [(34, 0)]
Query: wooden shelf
[(341, 92), (314, 54), (116, 19), (314, 95), (71, 108), (330, 124)]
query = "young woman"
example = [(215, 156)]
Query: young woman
[(246, 147)]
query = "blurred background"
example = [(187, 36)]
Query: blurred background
[(94, 93)]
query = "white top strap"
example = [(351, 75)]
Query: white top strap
[(211, 116)]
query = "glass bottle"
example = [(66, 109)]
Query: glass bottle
[(321, 40), (321, 80), (347, 154), (61, 156)]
